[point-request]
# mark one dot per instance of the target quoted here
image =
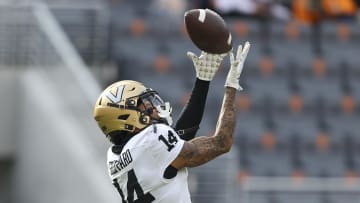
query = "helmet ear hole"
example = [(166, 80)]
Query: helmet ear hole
[(144, 119), (131, 102)]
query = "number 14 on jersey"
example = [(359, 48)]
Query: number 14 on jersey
[(170, 141)]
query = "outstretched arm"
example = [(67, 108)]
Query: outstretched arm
[(203, 149), (206, 66), (193, 111)]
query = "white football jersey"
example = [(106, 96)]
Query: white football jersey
[(137, 172)]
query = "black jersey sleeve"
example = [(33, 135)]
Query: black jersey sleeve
[(192, 113)]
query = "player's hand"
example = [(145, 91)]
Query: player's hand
[(237, 64), (206, 65)]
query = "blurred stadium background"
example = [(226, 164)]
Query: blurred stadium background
[(298, 132)]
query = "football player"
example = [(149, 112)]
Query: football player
[(149, 158)]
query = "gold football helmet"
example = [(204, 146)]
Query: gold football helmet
[(117, 108)]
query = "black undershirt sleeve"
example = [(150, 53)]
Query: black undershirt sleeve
[(191, 115)]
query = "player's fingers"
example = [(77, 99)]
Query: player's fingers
[(247, 45), (231, 58), (204, 54), (224, 54), (246, 49), (192, 56), (239, 50)]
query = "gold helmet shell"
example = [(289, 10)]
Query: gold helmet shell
[(116, 108)]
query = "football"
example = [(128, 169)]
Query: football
[(208, 31)]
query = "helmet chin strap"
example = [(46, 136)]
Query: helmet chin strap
[(165, 112)]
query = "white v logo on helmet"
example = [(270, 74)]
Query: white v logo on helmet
[(117, 97)]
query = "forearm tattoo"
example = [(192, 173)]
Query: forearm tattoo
[(203, 149)]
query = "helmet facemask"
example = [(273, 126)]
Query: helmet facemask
[(163, 108)]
